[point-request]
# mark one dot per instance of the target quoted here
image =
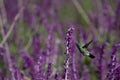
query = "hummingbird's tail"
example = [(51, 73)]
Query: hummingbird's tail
[(91, 56)]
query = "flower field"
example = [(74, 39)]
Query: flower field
[(59, 39)]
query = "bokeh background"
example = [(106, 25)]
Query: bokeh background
[(38, 39)]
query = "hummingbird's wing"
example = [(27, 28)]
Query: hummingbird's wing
[(87, 44)]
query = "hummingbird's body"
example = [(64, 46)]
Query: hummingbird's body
[(84, 51)]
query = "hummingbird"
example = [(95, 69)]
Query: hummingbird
[(83, 49)]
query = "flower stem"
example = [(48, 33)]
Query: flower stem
[(81, 11), (11, 27)]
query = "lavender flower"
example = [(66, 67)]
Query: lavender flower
[(36, 46), (39, 74), (1, 75), (11, 8), (43, 58), (28, 62), (16, 74), (117, 73), (69, 52), (27, 16), (49, 71), (117, 16), (100, 62), (56, 77), (110, 75), (86, 74)]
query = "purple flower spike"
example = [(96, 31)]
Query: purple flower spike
[(69, 40), (69, 51), (36, 46), (86, 75), (28, 62), (16, 74), (11, 9), (27, 16), (117, 73), (49, 71), (39, 72), (56, 77), (113, 64), (101, 61), (117, 16), (1, 75)]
